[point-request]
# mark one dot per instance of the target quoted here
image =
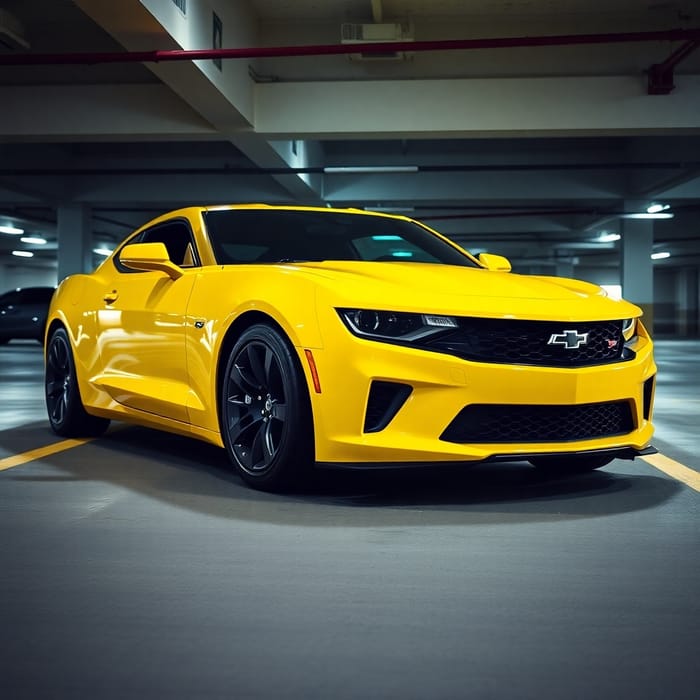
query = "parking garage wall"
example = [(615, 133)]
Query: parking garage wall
[(676, 302)]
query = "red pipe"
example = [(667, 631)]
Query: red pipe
[(85, 58), (660, 80)]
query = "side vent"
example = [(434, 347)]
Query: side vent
[(377, 33), (385, 400), (648, 397)]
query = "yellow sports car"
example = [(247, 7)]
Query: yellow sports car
[(295, 336)]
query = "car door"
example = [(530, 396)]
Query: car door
[(141, 327)]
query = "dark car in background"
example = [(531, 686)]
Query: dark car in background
[(23, 313)]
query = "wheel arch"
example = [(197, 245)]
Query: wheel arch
[(51, 326), (234, 332)]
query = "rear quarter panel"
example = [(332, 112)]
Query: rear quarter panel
[(74, 306)]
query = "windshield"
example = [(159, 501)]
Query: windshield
[(240, 236)]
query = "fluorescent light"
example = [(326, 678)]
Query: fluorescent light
[(23, 253), (643, 215), (655, 208), (387, 238), (11, 229), (34, 240), (660, 255), (608, 237), (102, 251), (354, 169)]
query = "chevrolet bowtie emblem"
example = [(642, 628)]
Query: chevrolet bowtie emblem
[(571, 340)]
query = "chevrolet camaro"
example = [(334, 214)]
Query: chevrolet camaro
[(299, 336)]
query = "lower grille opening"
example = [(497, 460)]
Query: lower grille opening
[(385, 400), (494, 423)]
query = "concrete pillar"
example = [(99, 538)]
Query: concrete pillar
[(565, 267), (74, 240), (637, 268), (687, 302)]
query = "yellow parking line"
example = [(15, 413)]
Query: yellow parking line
[(675, 469), (39, 452)]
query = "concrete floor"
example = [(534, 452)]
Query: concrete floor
[(138, 566)]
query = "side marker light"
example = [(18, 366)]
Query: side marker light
[(314, 371)]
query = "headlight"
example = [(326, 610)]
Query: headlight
[(629, 328), (394, 325)]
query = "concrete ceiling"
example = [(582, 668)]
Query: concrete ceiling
[(530, 151)]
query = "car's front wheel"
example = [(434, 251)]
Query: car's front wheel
[(266, 416), (570, 464), (67, 415)]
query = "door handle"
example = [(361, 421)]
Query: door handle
[(111, 297)]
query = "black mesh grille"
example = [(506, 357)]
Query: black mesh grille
[(385, 400), (546, 343), (493, 423)]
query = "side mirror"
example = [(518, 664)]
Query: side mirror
[(494, 262), (149, 256)]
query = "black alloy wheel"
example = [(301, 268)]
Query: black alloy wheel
[(64, 406), (266, 416)]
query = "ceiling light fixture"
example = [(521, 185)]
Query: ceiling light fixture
[(655, 208), (608, 237), (34, 240), (23, 253), (661, 255), (13, 230), (645, 215), (366, 169)]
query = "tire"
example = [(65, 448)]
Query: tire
[(64, 406), (265, 411), (572, 464)]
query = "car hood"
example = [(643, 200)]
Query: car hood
[(457, 290)]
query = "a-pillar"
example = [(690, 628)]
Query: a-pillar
[(637, 267), (74, 240)]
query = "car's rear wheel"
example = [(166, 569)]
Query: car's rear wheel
[(266, 416), (570, 464), (67, 415)]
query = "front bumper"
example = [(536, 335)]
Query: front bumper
[(441, 386)]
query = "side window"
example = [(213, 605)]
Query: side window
[(178, 241), (37, 295)]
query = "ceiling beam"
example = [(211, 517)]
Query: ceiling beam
[(464, 108)]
